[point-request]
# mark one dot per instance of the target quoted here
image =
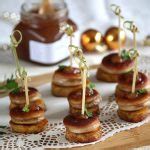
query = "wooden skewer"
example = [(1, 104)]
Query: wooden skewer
[(131, 27), (69, 31), (119, 28), (26, 90), (135, 71), (83, 90), (116, 9), (70, 51)]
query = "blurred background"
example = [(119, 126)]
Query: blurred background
[(87, 14)]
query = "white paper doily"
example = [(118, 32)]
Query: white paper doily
[(54, 135)]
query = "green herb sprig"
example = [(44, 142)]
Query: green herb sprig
[(61, 67), (10, 85), (91, 86), (129, 54), (141, 91), (88, 113), (26, 108)]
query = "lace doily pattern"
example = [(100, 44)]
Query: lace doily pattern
[(54, 135)]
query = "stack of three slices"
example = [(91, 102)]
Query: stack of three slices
[(83, 128), (31, 120), (133, 107)]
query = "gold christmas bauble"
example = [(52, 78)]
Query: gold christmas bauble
[(91, 40), (111, 38)]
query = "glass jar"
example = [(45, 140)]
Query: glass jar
[(43, 42)]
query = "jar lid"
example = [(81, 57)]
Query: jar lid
[(30, 13), (31, 8)]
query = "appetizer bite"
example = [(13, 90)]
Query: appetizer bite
[(92, 100), (115, 64), (83, 124), (82, 130), (66, 78), (17, 97), (133, 105), (132, 95), (26, 117)]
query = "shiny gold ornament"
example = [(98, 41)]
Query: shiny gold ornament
[(112, 38), (91, 40)]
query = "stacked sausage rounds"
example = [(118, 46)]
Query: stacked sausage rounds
[(83, 128), (133, 107), (92, 100), (65, 80), (27, 120), (112, 66)]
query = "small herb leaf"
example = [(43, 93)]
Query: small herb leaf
[(10, 85), (129, 54), (142, 91), (88, 113), (26, 108), (91, 86), (125, 55), (16, 90), (61, 67)]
